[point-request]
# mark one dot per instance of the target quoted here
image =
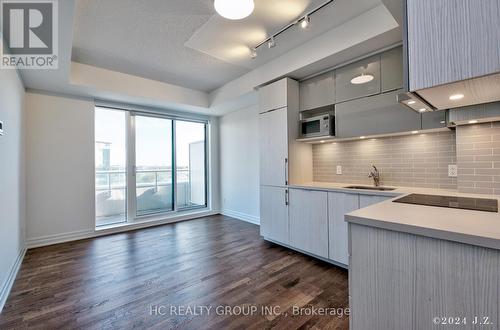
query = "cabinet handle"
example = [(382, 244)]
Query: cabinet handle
[(286, 171), (286, 197)]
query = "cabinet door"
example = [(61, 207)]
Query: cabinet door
[(273, 148), (379, 114), (434, 119), (339, 204), (345, 90), (452, 40), (391, 68), (273, 96), (367, 200), (308, 214), (317, 92), (274, 214)]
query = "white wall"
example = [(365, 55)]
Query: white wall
[(59, 167), (239, 164), (11, 178)]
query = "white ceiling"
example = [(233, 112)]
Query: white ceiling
[(146, 38), (184, 42), (232, 41)]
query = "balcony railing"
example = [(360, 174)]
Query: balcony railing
[(153, 190)]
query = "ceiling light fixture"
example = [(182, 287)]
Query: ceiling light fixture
[(305, 22), (234, 9), (362, 79), (411, 102), (271, 43), (456, 97), (253, 53)]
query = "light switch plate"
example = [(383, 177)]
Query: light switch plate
[(339, 169), (452, 171)]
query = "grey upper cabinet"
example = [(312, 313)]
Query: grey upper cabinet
[(345, 90), (452, 40), (379, 114), (434, 119), (391, 67), (317, 92)]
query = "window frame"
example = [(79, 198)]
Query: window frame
[(130, 135)]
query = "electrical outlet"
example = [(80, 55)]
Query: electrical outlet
[(452, 171), (1, 128), (339, 169)]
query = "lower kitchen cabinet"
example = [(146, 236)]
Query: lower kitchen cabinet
[(367, 200), (340, 204), (308, 215), (274, 214)]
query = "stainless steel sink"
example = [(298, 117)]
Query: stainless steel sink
[(370, 188)]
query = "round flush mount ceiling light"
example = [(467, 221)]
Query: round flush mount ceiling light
[(363, 79), (234, 9)]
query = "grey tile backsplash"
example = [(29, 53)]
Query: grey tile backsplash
[(419, 160), (478, 156)]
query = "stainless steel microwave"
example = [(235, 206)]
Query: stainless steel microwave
[(318, 126)]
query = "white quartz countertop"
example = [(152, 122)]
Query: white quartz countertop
[(464, 226)]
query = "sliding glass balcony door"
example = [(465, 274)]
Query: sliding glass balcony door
[(153, 165), (110, 166), (147, 166), (190, 164)]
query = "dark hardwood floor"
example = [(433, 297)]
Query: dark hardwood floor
[(119, 281)]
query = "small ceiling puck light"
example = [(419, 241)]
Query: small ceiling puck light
[(362, 79), (362, 137), (473, 121), (411, 102), (456, 97), (422, 110), (414, 132)]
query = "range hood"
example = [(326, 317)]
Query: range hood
[(414, 102)]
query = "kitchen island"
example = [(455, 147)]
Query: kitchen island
[(424, 267)]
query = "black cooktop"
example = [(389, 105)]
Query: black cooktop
[(466, 203)]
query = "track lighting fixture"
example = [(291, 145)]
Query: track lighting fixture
[(303, 22)]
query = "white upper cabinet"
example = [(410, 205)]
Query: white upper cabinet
[(273, 133), (450, 41), (274, 96), (317, 92), (345, 90)]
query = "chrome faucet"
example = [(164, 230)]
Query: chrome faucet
[(375, 175)]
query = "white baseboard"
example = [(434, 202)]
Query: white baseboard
[(241, 216), (84, 234), (7, 286), (59, 238)]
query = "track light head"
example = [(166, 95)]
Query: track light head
[(271, 43), (253, 53), (304, 23)]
